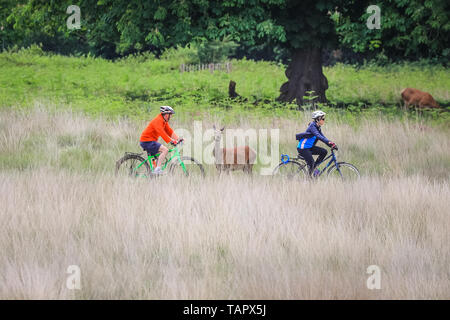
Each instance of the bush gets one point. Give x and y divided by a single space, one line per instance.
179 54
34 50
138 57
215 51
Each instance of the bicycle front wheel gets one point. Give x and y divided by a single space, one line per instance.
192 168
345 171
291 169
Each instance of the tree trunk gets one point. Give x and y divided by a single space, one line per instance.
305 74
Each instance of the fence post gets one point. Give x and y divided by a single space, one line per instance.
211 66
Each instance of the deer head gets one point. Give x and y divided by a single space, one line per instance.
218 133
217 137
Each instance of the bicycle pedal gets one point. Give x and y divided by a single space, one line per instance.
159 173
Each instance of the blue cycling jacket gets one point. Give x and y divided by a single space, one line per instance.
309 138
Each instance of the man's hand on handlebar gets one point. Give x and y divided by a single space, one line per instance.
175 142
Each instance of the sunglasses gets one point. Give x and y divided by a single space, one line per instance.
323 119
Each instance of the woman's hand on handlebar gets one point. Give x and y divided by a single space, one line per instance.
333 145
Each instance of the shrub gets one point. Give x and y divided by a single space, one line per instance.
214 51
179 54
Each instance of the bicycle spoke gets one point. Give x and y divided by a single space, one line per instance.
345 172
191 168
130 166
290 170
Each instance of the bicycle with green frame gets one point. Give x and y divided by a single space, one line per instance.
297 167
134 165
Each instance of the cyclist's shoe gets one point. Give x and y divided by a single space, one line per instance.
316 173
158 172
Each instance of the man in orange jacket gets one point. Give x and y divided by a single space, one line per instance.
159 127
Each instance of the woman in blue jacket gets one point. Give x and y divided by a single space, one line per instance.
307 142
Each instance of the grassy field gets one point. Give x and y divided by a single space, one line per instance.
227 237
64 121
136 86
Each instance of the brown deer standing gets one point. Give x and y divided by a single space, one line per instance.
418 98
237 158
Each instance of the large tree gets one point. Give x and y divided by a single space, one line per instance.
304 28
118 27
114 28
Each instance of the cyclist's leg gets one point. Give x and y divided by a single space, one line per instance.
152 148
163 150
321 152
306 154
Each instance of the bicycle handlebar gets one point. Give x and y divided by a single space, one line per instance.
179 144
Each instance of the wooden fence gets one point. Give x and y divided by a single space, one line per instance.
210 66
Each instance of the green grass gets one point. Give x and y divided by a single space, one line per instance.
136 86
383 85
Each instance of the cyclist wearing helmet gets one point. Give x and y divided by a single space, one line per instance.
307 142
159 127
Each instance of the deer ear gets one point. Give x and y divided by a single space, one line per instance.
222 129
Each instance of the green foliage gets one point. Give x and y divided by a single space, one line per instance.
215 51
137 85
187 55
409 29
261 28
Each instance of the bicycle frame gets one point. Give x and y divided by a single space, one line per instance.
176 154
332 160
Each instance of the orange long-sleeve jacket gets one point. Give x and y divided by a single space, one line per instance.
158 127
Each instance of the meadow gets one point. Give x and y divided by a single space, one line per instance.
64 121
136 86
229 237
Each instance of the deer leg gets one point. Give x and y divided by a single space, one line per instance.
219 169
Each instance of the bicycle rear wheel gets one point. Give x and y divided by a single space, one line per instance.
192 166
346 171
291 169
128 166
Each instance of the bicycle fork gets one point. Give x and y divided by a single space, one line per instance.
337 166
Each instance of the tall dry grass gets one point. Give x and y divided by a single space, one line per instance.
230 237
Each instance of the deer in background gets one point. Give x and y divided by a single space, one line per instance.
418 98
237 158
